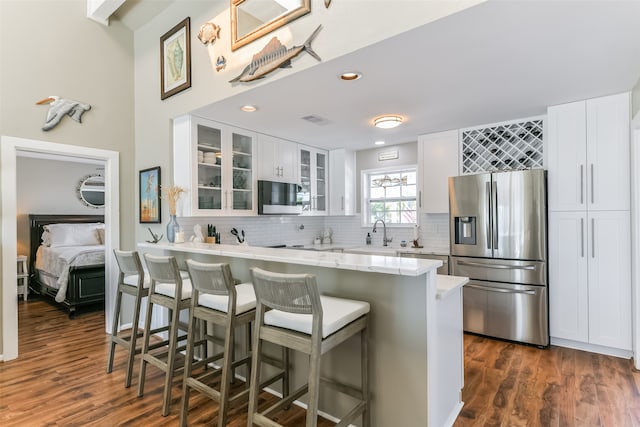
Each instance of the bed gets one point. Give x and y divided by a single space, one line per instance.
68 266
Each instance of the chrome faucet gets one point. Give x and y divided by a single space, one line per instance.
384 232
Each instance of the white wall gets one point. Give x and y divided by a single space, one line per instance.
49 47
368 159
49 187
347 26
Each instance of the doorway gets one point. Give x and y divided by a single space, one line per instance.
10 148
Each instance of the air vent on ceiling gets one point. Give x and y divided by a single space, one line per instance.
317 120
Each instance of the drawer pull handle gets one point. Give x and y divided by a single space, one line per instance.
497 266
501 290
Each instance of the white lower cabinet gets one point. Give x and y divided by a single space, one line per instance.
589 277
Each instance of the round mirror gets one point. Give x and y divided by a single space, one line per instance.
91 191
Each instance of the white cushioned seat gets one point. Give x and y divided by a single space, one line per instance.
169 289
245 299
133 279
336 313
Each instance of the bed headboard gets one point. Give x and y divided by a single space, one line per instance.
37 222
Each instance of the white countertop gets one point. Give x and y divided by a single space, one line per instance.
345 261
447 284
374 250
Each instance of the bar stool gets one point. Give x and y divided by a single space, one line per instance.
131 281
168 289
217 300
292 298
134 281
22 276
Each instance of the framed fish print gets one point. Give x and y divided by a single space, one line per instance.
150 206
175 59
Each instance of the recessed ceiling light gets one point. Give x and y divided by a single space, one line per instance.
350 75
379 143
248 108
387 122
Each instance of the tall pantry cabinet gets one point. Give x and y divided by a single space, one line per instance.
589 223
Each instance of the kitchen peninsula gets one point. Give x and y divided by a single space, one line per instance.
416 350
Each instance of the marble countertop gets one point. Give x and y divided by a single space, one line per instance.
447 284
326 258
375 250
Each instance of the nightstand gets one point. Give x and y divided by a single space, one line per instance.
23 276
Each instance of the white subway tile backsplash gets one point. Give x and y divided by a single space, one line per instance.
276 230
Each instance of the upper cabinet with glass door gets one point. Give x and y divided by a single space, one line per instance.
313 174
216 164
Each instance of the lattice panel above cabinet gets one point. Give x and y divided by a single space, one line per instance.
509 146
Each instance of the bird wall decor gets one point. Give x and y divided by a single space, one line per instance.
60 107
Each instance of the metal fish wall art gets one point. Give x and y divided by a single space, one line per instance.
273 56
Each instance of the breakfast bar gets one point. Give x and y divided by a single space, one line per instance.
416 348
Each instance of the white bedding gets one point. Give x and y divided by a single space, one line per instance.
56 261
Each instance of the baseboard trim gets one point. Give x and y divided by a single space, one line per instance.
451 419
592 348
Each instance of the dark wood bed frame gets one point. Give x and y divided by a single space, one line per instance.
86 284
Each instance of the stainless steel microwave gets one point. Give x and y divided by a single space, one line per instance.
278 198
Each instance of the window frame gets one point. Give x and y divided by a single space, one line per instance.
365 193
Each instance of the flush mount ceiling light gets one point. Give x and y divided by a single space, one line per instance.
387 122
379 143
248 108
350 75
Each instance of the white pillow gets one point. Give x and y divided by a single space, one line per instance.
73 234
46 237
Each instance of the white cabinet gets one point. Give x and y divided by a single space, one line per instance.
589 221
278 159
216 164
568 285
342 182
590 277
438 160
588 154
313 173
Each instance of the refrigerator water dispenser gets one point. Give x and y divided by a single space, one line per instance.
465 230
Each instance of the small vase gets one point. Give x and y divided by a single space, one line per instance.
172 227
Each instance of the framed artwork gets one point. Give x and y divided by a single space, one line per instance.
175 59
150 206
245 27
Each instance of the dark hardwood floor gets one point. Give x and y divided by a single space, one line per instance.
509 384
60 380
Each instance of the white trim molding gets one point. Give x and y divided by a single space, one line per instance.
10 147
101 10
635 237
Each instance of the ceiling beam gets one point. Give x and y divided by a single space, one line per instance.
101 10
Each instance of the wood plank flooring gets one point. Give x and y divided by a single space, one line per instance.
509 384
60 379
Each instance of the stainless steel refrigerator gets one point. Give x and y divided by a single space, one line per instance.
498 232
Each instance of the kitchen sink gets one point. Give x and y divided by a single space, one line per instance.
384 251
287 246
